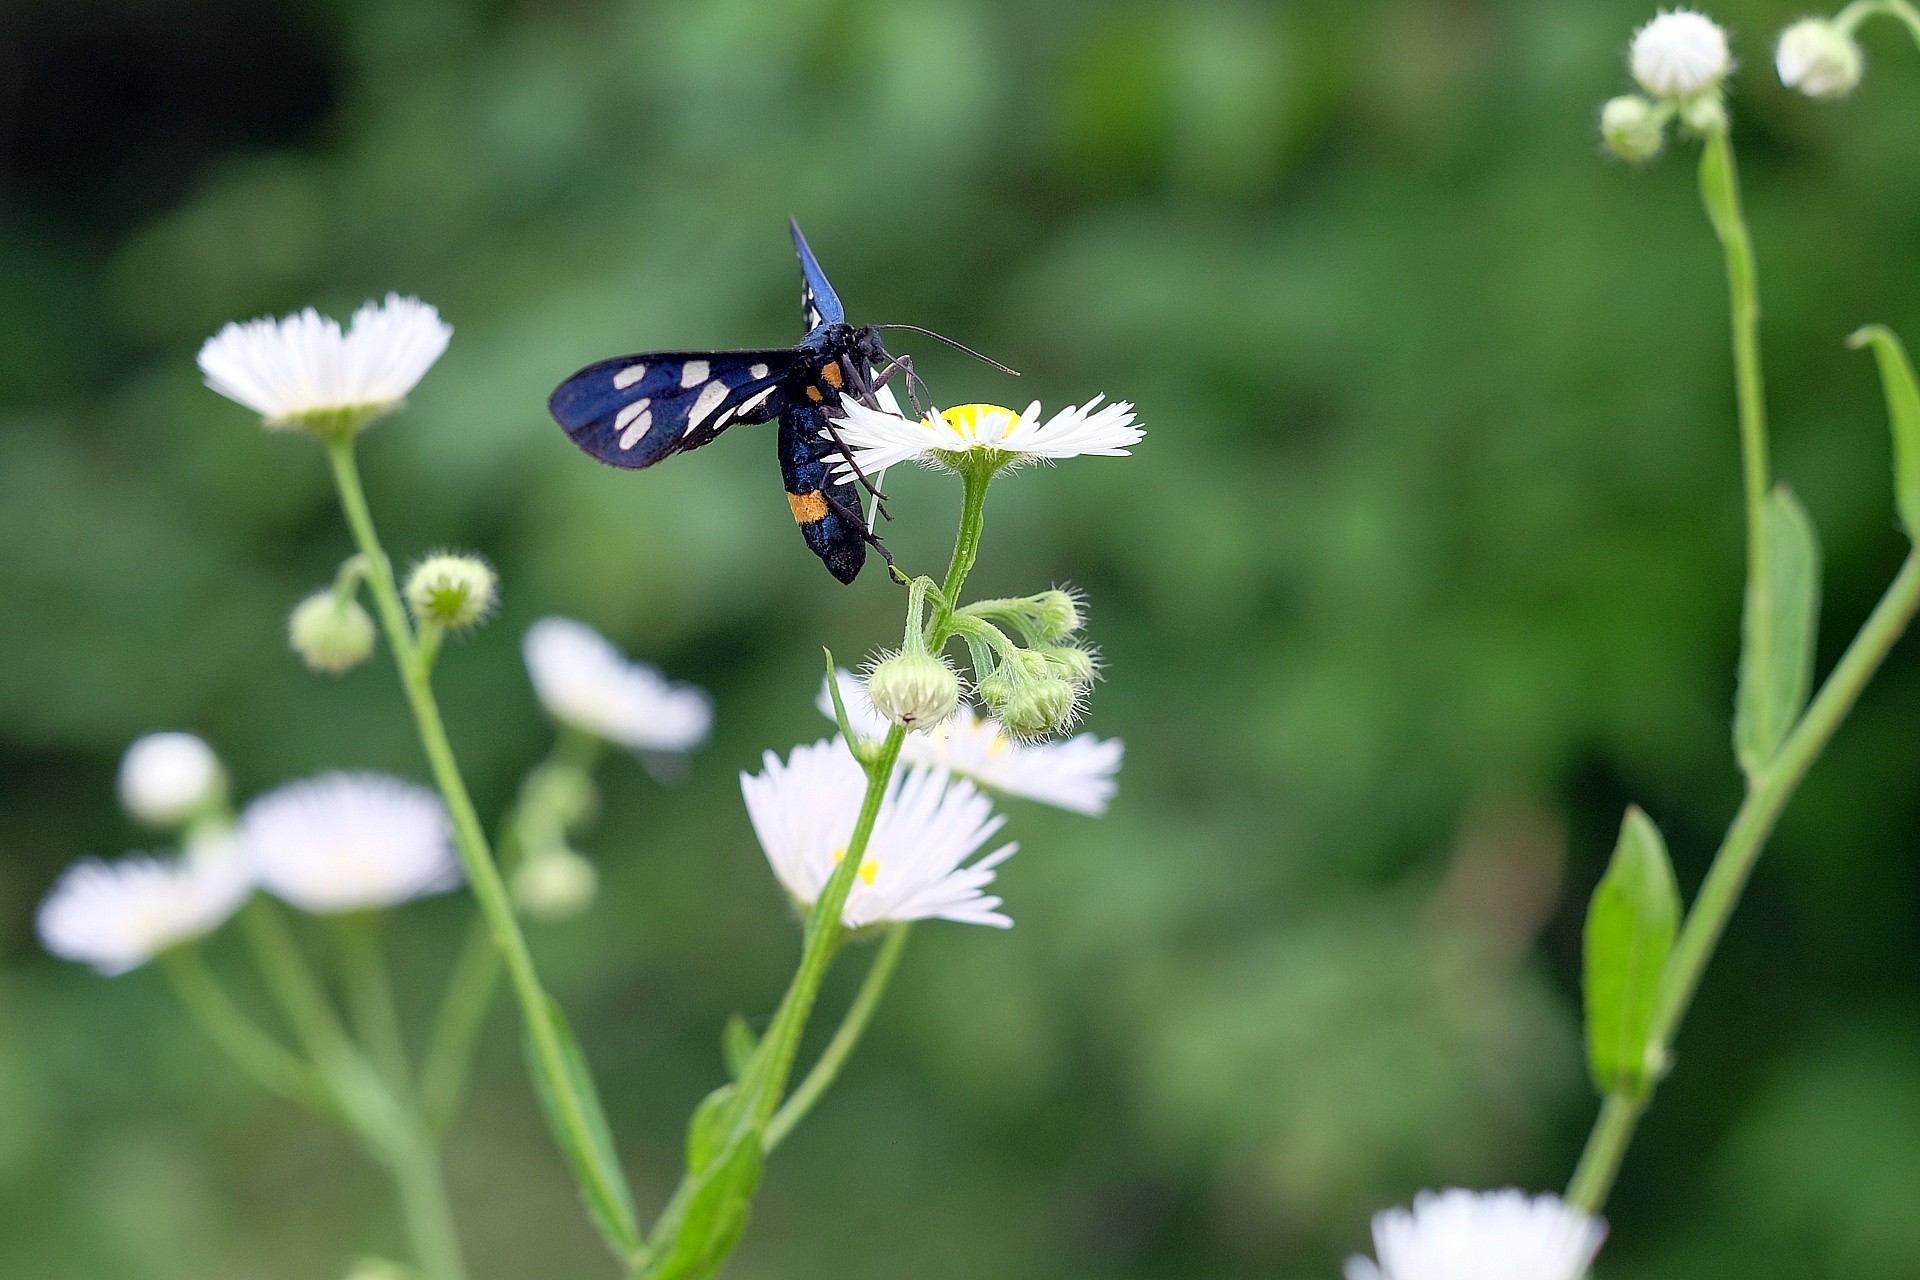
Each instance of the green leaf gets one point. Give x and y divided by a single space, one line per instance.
1776 653
1903 407
596 1166
714 1216
1630 929
708 1127
737 1044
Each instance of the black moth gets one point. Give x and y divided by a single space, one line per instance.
632 411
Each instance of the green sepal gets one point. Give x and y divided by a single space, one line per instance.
1630 929
1778 632
1903 409
596 1165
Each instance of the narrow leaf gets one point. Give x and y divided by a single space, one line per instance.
737 1044
707 1129
1903 407
715 1214
596 1166
1630 929
1782 612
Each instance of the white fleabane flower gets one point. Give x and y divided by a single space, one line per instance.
117 916
349 842
303 369
1819 59
804 808
166 778
1077 774
881 440
1481 1235
1680 54
583 681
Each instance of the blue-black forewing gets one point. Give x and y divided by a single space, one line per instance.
632 411
819 304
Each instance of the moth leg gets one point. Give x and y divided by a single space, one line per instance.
840 447
915 383
853 517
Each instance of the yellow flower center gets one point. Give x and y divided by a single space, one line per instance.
979 424
868 867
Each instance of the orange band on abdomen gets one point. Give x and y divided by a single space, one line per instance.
807 507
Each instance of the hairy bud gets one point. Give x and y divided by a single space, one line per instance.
916 690
452 592
332 633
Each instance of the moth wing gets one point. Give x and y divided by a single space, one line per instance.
819 304
632 411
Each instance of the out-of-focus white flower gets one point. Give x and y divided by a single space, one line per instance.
166 778
349 842
804 809
1077 774
1481 1235
303 367
1819 59
881 440
117 916
583 681
1680 54
1633 128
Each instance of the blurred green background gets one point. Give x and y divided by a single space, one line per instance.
1428 565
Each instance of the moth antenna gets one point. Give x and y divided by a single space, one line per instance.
959 346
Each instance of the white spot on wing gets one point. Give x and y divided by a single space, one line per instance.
754 400
693 373
638 429
628 376
757 372
710 397
632 411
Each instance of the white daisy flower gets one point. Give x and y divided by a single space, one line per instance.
350 842
1680 54
1076 774
804 809
583 681
1481 1235
166 778
881 440
304 367
117 916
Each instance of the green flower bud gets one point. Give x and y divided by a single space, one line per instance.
1056 614
1633 128
452 592
564 792
1705 114
916 690
557 884
1040 707
333 633
1069 662
1819 59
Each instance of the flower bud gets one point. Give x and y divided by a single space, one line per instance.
330 632
563 792
452 592
168 778
1039 707
1056 614
1069 662
1680 54
557 884
1705 114
1633 128
1818 58
916 690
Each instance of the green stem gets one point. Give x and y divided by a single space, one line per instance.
966 549
425 1208
255 1052
570 1109
463 1011
369 989
1720 892
851 1028
293 985
1851 16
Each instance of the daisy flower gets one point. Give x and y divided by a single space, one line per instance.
1481 1235
1680 54
880 440
1076 774
583 681
117 916
302 371
803 810
166 778
349 842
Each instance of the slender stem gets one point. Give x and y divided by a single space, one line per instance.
426 1210
966 549
463 1011
293 985
570 1108
859 1013
1851 16
369 990
1600 1162
255 1052
1720 892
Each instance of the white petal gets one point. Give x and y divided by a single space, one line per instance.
116 916
583 681
303 364
350 842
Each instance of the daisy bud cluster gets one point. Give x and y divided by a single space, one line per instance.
1039 689
452 592
1680 60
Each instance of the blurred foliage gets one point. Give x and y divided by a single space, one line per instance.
1429 563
